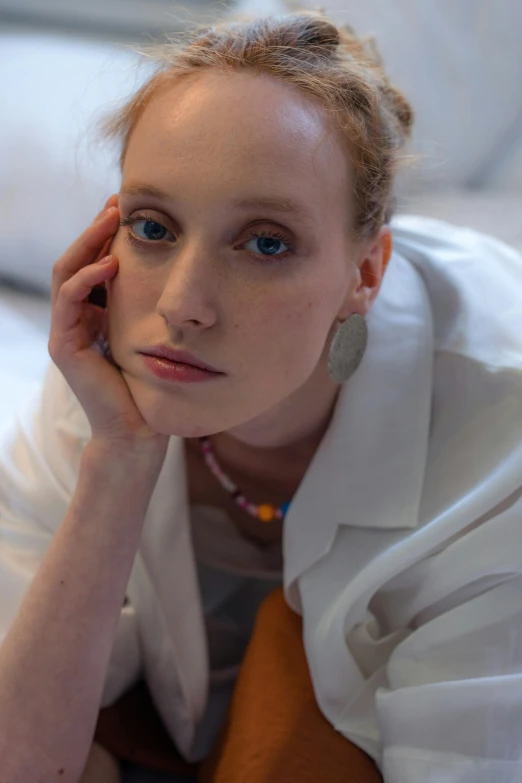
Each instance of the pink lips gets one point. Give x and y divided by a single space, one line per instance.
165 352
178 372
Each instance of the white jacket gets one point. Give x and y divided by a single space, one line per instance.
402 546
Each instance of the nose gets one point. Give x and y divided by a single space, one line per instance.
189 294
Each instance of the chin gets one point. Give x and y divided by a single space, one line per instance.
170 413
171 423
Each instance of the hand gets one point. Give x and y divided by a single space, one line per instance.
78 330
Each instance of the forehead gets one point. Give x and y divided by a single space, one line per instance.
246 131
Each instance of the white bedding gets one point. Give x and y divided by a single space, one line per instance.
25 319
24 332
498 213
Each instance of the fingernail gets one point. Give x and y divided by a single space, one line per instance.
100 214
105 260
105 211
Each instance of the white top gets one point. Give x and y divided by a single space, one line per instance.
234 576
402 545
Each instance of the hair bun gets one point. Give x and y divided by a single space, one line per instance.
319 32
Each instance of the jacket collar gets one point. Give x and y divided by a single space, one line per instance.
368 470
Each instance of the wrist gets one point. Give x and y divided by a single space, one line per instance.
121 454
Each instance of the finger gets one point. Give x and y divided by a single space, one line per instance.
91 241
105 251
98 295
87 240
73 293
85 249
112 201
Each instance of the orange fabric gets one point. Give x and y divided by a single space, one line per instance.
274 733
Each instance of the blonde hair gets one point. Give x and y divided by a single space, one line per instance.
331 64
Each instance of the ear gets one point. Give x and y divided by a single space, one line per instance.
372 263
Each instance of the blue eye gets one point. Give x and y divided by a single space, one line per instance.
269 244
152 230
155 232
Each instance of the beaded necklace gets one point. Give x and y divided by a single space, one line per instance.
265 512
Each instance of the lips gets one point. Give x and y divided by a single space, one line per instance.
183 357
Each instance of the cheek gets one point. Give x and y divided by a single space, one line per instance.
293 331
132 290
128 304
316 317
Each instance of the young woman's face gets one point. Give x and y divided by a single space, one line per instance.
193 275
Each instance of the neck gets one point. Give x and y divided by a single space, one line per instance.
279 446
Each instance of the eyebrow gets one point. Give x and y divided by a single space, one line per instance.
277 204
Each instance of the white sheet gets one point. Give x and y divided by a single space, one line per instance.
24 333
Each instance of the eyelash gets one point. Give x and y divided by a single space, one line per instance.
254 235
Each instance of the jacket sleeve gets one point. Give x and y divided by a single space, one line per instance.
452 708
423 670
448 699
40 453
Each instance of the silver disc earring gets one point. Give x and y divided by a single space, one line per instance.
347 348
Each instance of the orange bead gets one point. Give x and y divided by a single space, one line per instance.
266 513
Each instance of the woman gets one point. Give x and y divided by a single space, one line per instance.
354 441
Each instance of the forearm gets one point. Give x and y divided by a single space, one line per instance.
54 659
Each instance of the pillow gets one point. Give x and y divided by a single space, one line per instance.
490 212
54 177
